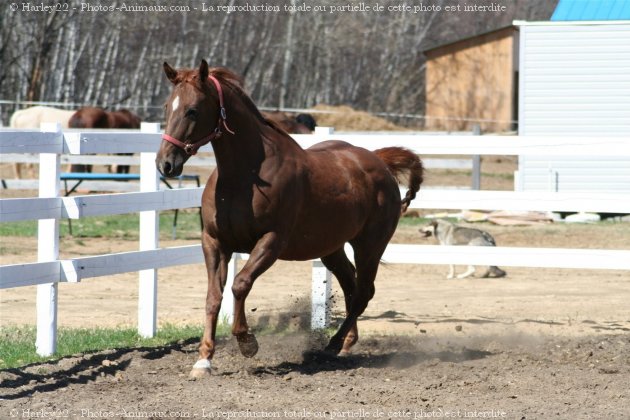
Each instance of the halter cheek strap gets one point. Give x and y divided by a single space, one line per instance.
192 148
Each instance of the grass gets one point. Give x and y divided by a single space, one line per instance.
419 221
126 226
507 176
17 343
123 226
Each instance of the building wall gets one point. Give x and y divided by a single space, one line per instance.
575 81
472 80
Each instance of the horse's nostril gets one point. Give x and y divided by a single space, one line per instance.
166 168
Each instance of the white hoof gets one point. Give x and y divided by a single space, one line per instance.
344 353
201 369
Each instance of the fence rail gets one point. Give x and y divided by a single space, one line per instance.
50 144
196 161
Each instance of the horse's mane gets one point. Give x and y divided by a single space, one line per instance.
234 81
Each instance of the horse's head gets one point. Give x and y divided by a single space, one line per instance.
307 121
194 116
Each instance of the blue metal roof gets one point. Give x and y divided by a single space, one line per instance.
570 10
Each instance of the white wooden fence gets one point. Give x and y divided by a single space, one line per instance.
49 208
470 164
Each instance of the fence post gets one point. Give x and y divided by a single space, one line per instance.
48 249
476 160
149 239
320 296
227 303
518 181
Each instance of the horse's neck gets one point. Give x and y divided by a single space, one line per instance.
239 157
240 154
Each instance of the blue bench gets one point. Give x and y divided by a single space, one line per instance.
79 177
89 176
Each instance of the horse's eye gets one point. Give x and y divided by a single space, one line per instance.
192 113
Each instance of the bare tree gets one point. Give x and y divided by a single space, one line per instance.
370 61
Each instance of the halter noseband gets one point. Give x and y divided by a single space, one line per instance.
191 148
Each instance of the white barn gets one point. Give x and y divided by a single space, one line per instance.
574 80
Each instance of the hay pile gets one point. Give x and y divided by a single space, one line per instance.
344 118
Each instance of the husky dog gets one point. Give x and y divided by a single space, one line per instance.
448 233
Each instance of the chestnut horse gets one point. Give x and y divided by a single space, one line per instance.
93 117
274 200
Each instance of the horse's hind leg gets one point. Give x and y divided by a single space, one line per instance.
367 261
339 264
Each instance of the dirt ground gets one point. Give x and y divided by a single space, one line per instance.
539 343
506 376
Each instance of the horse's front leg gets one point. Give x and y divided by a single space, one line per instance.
216 265
264 254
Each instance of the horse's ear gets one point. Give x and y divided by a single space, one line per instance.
171 73
203 70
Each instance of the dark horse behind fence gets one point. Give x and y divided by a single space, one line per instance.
274 200
93 117
298 124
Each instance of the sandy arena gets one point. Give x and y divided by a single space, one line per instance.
537 344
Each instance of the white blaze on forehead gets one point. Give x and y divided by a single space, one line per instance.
175 103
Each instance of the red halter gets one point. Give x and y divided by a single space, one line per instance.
191 148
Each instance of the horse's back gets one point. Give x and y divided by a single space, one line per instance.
341 156
123 119
21 119
89 117
59 115
359 175
34 116
349 190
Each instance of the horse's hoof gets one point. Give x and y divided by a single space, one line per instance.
333 348
199 373
248 345
201 369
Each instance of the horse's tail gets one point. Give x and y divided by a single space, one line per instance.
406 167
